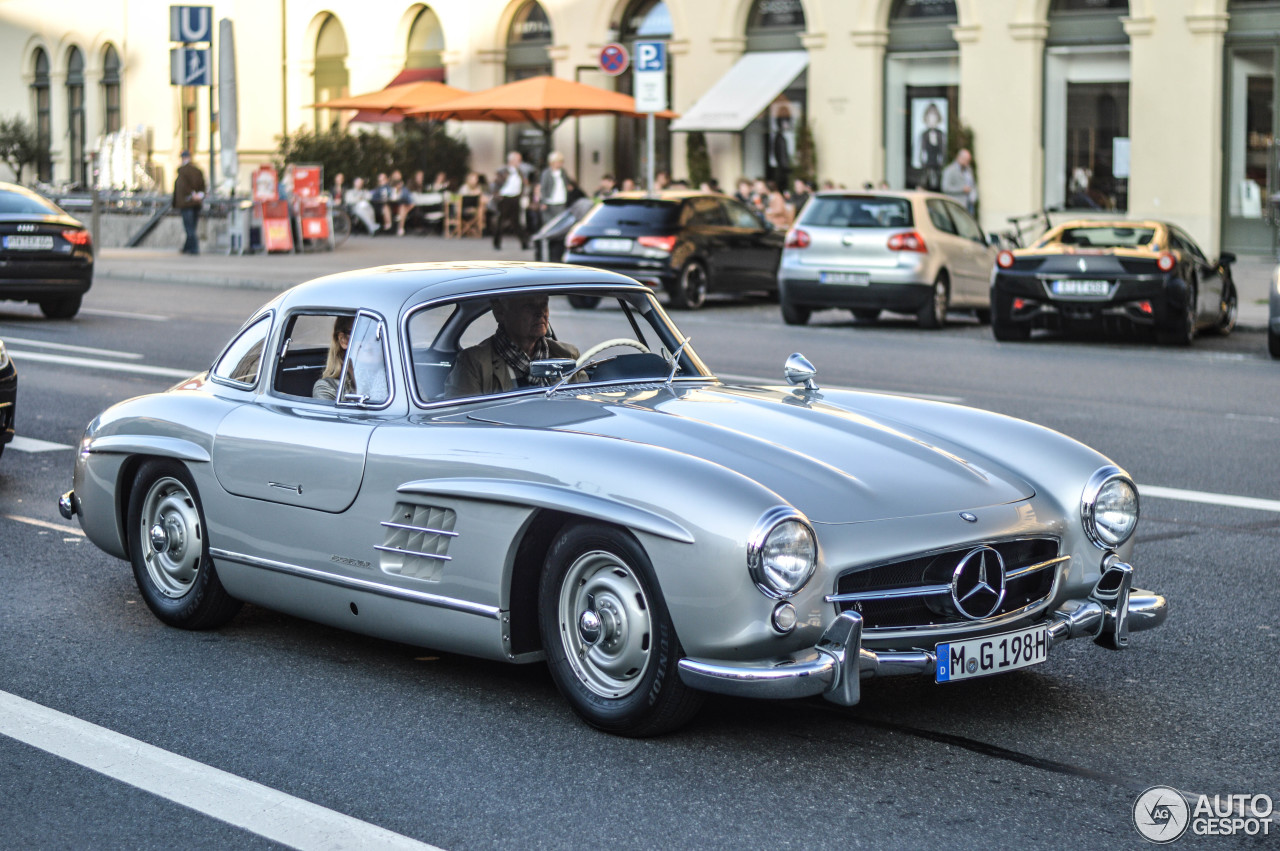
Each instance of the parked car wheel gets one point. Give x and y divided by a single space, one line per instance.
170 550
865 315
1184 331
584 302
794 314
934 312
61 308
609 640
691 289
1230 310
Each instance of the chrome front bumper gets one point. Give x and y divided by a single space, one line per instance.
836 666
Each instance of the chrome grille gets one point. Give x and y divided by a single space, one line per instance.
416 540
916 592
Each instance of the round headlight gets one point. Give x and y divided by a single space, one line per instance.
782 554
1109 508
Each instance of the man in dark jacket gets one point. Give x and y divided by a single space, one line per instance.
188 198
512 193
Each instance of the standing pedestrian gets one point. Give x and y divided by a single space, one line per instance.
188 199
514 184
958 182
555 187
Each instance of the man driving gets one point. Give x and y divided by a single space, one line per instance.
501 362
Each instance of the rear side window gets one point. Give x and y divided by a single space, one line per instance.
242 361
940 217
705 212
858 211
633 212
21 203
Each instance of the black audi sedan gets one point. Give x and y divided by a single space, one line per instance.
8 397
686 244
46 256
1113 275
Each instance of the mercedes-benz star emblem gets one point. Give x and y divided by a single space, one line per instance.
977 585
1081 265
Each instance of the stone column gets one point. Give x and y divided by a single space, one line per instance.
846 106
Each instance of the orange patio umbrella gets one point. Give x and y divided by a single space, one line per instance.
400 99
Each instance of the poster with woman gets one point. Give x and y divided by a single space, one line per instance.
929 139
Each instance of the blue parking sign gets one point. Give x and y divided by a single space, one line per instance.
651 56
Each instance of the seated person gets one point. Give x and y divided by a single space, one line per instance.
327 385
501 362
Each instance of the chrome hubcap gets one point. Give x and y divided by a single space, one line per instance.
605 624
171 536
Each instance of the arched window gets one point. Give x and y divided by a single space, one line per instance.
40 99
528 38
110 90
644 20
331 68
76 167
775 25
426 42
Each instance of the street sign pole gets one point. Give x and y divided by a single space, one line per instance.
650 175
650 85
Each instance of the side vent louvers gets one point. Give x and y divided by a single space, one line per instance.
416 540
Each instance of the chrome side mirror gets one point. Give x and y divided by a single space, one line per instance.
798 370
554 368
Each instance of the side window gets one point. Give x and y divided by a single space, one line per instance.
740 216
242 361
314 348
436 335
365 376
707 212
1187 244
965 224
938 215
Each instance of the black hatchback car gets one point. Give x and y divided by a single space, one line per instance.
684 243
46 256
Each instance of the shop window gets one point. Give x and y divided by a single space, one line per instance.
528 39
1097 169
922 93
331 80
644 20
426 42
44 122
76 167
110 90
775 25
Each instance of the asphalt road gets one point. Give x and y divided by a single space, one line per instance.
465 754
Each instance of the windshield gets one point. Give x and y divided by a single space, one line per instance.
22 203
486 346
857 211
1104 236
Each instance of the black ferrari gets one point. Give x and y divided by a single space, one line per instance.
1113 275
46 256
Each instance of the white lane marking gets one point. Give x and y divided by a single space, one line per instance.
239 802
110 366
30 444
111 353
1210 498
928 397
45 524
126 314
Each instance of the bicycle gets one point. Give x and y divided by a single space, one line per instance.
1028 225
341 225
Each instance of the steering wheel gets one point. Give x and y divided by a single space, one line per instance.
586 356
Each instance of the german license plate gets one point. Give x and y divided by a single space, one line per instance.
994 654
28 243
611 246
1082 289
856 279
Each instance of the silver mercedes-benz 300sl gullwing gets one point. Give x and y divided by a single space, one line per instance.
447 455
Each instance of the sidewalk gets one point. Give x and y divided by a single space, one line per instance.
281 271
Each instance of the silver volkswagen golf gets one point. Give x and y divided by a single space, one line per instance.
910 252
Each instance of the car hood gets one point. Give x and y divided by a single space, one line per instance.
835 464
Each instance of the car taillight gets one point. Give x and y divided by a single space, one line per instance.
1166 262
908 241
797 239
1005 259
662 243
574 240
76 237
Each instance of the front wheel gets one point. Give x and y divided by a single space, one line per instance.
610 644
169 548
933 314
61 308
1230 309
794 314
691 290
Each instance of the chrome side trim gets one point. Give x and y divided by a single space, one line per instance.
894 594
435 600
129 444
398 551
422 529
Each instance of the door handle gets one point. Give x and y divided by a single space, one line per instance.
295 488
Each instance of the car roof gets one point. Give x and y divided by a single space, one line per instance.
665 195
388 289
879 193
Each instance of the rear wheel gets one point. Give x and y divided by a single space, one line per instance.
584 302
610 644
169 548
61 308
1273 343
1183 330
794 314
865 314
1230 308
691 289
934 312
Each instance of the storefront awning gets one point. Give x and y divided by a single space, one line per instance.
744 92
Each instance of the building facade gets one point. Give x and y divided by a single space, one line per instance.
1159 108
